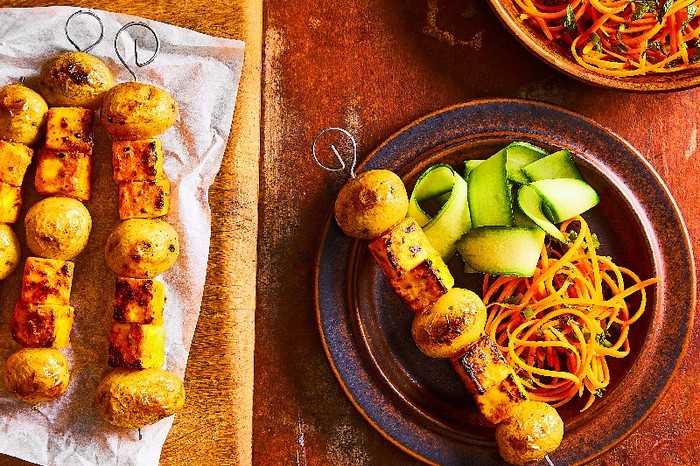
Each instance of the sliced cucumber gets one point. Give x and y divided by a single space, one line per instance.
502 250
434 182
470 165
531 204
453 219
519 155
555 165
489 192
565 198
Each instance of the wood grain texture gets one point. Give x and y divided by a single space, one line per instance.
215 426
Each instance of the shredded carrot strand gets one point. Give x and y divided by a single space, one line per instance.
557 327
621 38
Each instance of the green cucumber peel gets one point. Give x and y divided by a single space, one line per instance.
530 204
565 198
556 165
453 219
489 192
501 250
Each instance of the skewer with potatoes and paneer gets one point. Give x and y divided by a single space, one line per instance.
449 321
140 248
57 228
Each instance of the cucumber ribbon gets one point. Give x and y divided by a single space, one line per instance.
444 185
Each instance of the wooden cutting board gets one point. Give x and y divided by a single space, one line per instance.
215 425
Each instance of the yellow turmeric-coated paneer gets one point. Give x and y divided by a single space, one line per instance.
144 199
60 173
487 375
42 325
69 129
139 301
14 160
423 285
140 160
137 346
47 281
10 202
401 248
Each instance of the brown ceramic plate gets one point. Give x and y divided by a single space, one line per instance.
560 58
419 403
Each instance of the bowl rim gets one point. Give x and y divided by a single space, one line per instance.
650 83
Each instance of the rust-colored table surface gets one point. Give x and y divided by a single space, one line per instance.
374 66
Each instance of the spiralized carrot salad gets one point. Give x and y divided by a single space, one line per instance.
621 37
558 328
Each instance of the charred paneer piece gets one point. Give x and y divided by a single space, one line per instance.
487 375
139 301
14 160
137 346
144 199
415 270
47 281
69 129
140 160
10 202
64 173
42 325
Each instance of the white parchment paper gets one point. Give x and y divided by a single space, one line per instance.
202 73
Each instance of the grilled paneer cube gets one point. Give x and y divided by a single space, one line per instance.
137 160
47 281
137 346
423 285
42 325
415 270
487 375
60 173
10 202
69 129
401 248
144 199
139 301
14 160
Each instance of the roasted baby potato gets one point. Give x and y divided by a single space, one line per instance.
10 250
135 398
22 114
534 430
75 79
135 110
447 327
35 375
57 228
142 248
370 204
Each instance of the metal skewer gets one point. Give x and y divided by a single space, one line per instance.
137 62
335 151
86 13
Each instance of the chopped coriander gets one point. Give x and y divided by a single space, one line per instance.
569 20
528 312
595 38
515 299
665 8
641 7
599 393
691 11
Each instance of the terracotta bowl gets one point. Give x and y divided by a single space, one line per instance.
561 59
